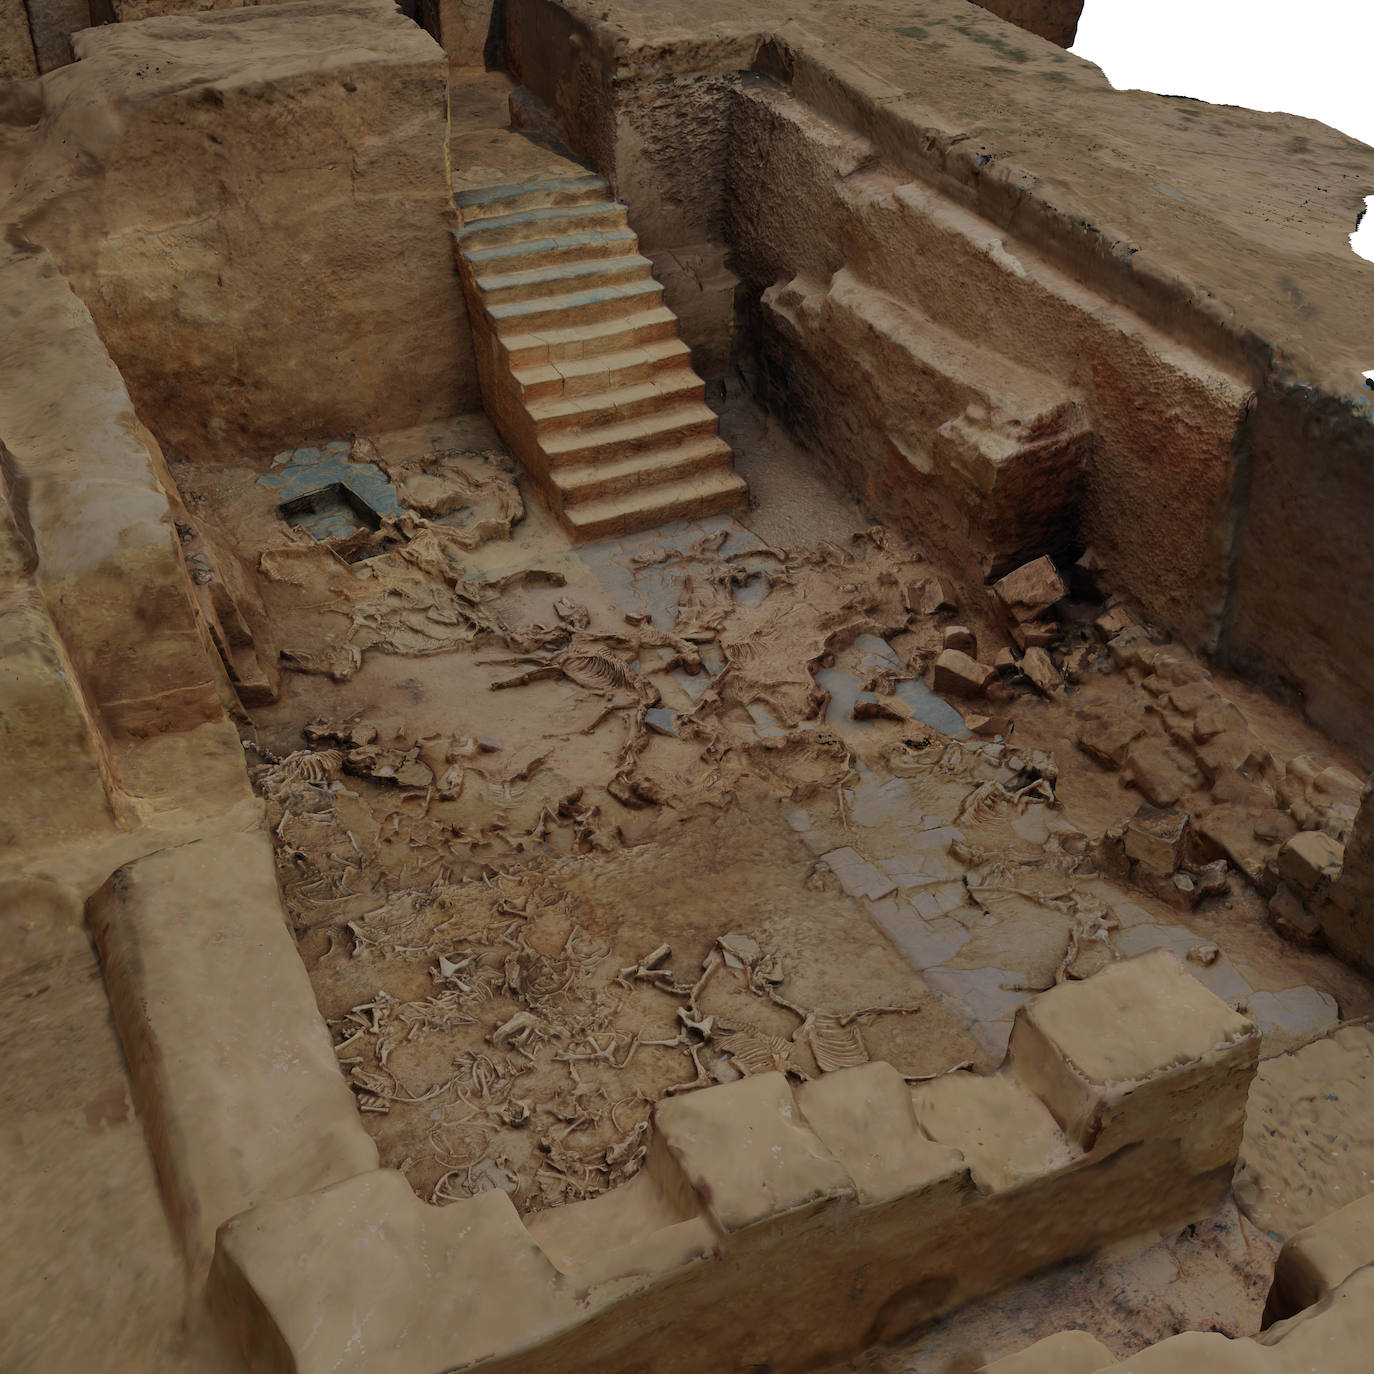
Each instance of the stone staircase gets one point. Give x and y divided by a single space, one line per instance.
581 367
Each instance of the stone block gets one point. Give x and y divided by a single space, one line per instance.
1108 734
1039 667
962 638
1310 859
959 675
748 1153
1160 771
1155 838
1030 591
865 1117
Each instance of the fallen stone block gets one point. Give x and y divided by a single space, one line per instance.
1039 667
1290 917
959 675
1161 772
1155 838
928 597
1028 593
1114 621
1035 634
1310 859
1108 736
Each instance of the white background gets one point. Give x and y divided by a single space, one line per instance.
1307 57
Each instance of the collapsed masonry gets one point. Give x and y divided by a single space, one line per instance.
239 509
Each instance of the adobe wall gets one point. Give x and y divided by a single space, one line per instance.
946 322
849 1210
1212 333
254 208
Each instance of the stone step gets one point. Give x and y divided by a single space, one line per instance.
600 337
596 409
602 372
605 443
483 202
544 252
550 222
542 313
561 278
597 481
642 508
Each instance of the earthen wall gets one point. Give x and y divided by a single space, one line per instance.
260 231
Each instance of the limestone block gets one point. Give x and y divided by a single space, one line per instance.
1348 918
1155 839
1310 859
1039 667
959 675
235 1076
865 1117
267 252
1028 592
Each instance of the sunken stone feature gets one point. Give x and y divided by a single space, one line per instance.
684 690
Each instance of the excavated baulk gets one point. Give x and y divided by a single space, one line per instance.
851 1210
580 363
